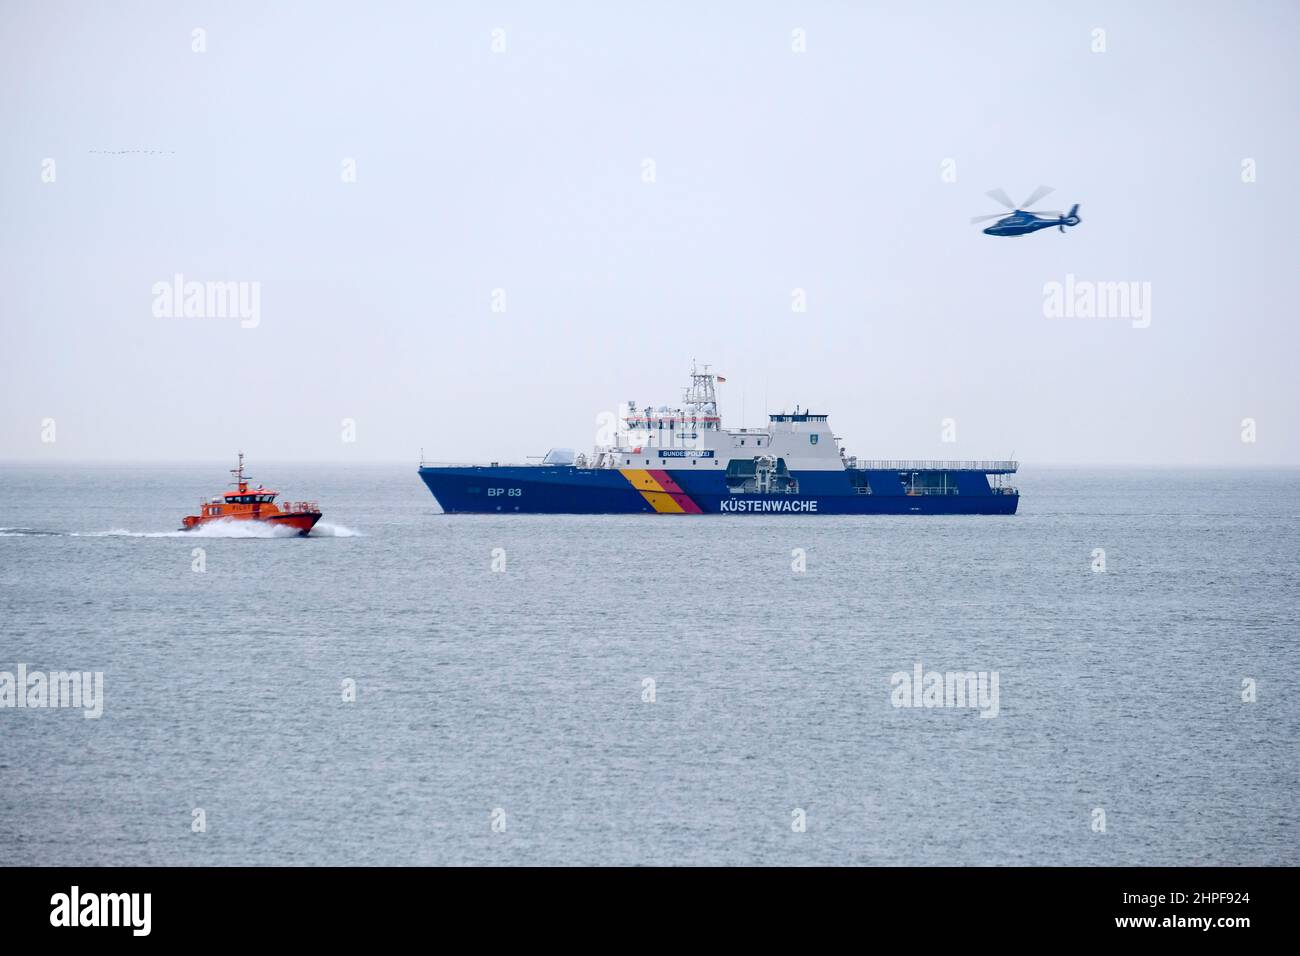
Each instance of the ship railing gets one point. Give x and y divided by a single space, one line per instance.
426 463
993 489
291 506
907 464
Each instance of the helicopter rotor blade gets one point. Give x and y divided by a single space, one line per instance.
999 195
1046 213
996 215
1036 195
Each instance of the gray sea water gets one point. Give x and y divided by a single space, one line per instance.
519 696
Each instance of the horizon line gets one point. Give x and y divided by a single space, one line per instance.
416 461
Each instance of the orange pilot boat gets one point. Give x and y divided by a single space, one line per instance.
247 503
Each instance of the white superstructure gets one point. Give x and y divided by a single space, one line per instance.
691 435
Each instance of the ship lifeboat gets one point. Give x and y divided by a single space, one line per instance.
246 503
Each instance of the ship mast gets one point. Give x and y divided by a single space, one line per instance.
701 399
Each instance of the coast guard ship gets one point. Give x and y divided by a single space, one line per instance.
681 461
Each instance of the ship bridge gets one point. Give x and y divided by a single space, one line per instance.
797 417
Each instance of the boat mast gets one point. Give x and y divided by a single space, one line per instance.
240 481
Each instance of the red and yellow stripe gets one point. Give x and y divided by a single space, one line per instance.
663 494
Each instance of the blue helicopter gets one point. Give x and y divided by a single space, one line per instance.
1020 222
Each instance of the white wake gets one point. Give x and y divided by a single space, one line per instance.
221 528
326 529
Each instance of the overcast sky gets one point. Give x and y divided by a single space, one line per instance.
525 171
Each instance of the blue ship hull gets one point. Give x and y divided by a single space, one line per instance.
567 489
